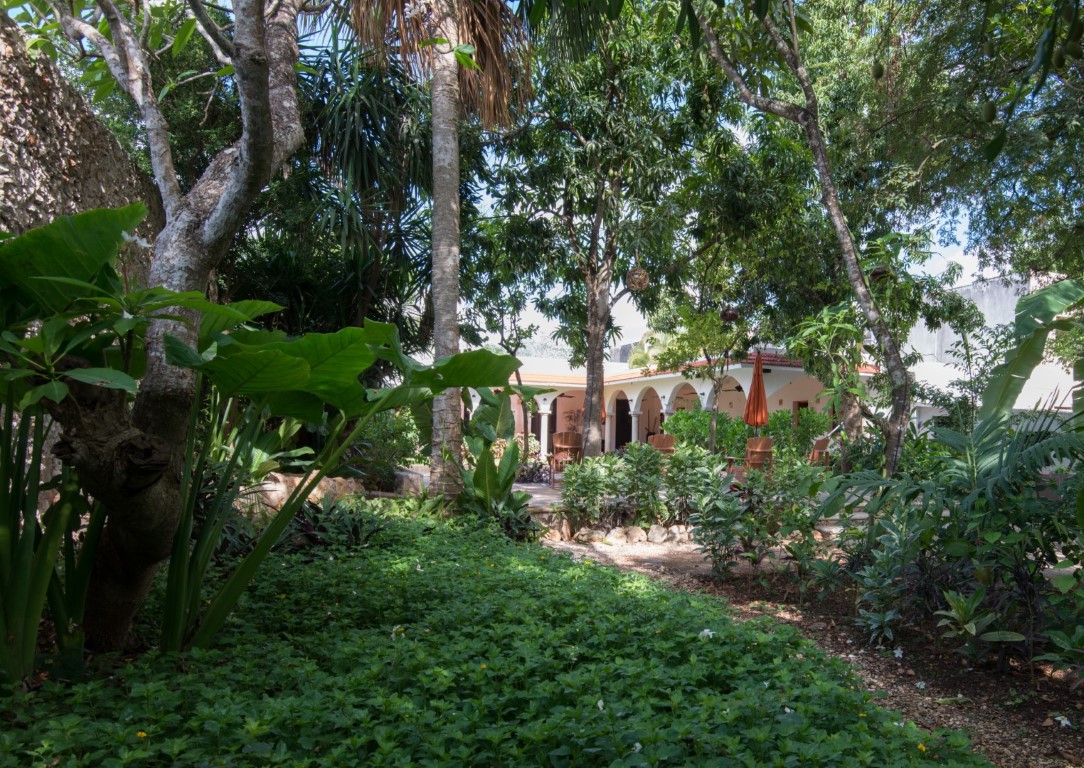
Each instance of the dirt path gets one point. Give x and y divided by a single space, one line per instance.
1014 717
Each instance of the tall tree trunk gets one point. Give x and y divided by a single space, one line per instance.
807 116
598 318
895 426
131 461
447 409
852 426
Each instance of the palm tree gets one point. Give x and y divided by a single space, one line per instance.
472 53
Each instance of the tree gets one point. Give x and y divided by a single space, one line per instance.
436 40
200 224
754 46
590 176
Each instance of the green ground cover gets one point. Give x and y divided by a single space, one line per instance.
438 645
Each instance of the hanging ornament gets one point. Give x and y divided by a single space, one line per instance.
637 279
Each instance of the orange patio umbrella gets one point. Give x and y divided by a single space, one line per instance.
756 407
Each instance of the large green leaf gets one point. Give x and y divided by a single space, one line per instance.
256 372
1036 316
103 377
82 248
335 361
477 368
221 317
486 482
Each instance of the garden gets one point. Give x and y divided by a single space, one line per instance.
256 260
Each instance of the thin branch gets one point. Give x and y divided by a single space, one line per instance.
772 106
145 31
794 63
220 44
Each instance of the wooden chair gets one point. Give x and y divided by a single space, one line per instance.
819 456
661 443
567 449
758 455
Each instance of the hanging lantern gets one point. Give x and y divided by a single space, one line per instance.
637 279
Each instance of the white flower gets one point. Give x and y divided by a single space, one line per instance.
601 705
1063 721
707 634
397 631
766 683
920 685
899 653
787 710
637 747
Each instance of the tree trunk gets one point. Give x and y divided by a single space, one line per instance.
807 116
852 426
895 427
598 318
131 461
444 478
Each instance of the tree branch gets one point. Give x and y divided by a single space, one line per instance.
126 62
212 33
253 154
772 106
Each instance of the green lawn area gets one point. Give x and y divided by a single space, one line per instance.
443 646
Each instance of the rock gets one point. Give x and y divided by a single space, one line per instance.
616 536
552 534
634 534
566 530
588 535
679 534
410 483
658 534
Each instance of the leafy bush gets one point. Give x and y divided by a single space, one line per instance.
690 428
979 523
587 491
438 646
389 441
767 511
638 483
487 482
690 472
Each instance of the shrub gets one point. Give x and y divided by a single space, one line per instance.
638 483
690 472
689 428
979 523
389 441
766 512
587 491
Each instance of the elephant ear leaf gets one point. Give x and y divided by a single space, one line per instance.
81 248
1036 317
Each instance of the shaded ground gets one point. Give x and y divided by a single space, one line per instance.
1012 716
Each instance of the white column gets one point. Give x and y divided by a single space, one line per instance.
635 426
611 429
544 403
